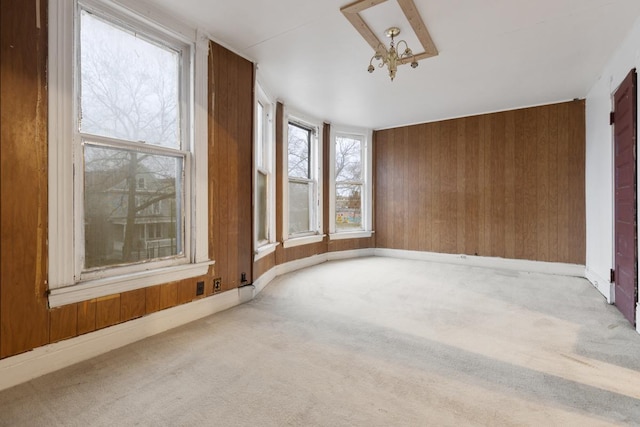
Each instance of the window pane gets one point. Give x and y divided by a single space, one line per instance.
299 146
126 223
300 196
260 143
129 86
261 207
348 207
348 159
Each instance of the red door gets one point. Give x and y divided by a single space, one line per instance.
626 248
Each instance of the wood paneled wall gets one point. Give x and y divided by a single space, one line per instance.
508 184
23 304
26 322
87 316
230 165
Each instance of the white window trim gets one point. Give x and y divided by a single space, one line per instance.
306 240
265 100
265 250
361 234
64 288
367 196
315 235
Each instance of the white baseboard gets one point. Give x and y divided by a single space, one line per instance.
557 268
49 358
291 266
355 253
298 264
601 284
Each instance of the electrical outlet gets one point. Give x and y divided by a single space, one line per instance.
217 285
200 288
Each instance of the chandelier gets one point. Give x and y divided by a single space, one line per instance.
390 57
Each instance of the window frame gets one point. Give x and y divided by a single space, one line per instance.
266 151
315 234
67 281
366 137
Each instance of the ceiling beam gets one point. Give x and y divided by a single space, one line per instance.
418 25
364 30
359 6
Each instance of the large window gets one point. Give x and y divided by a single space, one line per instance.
264 201
132 134
302 180
128 132
351 193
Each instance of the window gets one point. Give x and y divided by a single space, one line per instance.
302 186
349 182
264 201
128 134
351 194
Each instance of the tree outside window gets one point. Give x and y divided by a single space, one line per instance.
302 183
130 128
349 182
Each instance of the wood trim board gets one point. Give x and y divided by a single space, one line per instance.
352 13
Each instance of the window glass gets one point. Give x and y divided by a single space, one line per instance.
117 210
261 207
348 158
349 183
299 150
348 207
261 152
129 85
300 198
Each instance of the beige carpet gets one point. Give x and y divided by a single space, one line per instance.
366 342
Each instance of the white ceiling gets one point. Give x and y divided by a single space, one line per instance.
494 54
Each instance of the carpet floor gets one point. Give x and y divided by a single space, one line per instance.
366 342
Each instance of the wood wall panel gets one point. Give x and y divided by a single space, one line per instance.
152 299
187 290
230 164
168 295
577 161
264 264
86 316
107 311
326 182
505 185
132 304
279 148
24 318
351 244
63 322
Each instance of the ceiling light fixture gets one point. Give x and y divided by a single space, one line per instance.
390 57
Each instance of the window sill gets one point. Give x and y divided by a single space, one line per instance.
264 250
350 235
90 289
299 241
